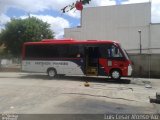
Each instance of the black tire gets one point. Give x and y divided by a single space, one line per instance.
52 73
115 74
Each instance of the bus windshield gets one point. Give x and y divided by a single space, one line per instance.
125 52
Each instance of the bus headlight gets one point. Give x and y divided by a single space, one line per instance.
129 70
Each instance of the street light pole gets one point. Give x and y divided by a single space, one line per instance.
140 45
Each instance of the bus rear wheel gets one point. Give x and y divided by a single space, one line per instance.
115 74
51 72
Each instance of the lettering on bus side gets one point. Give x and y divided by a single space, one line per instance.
42 63
27 63
60 63
53 63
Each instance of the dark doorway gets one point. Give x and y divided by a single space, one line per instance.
92 56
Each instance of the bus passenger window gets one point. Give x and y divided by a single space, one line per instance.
78 55
75 51
103 51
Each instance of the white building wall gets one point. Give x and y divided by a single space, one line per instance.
155 38
119 23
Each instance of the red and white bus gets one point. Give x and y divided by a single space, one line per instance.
74 57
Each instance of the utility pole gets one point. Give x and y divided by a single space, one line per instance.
140 44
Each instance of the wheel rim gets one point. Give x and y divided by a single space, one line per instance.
115 74
51 73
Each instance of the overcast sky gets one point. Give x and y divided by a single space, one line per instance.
50 11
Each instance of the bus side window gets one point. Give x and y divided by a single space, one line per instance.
81 50
103 51
109 53
75 51
114 52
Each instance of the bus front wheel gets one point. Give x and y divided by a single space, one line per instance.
51 72
115 74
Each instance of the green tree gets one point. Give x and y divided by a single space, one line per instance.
18 31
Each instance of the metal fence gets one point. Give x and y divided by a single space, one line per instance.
10 64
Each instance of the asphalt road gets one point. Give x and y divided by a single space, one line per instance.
25 93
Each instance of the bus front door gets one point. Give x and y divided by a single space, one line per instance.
91 56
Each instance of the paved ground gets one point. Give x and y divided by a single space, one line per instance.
35 93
